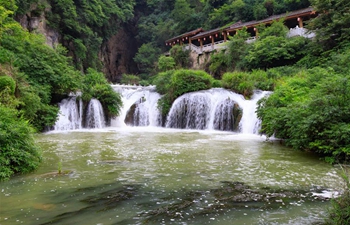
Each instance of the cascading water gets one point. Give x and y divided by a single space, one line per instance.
250 123
215 109
139 106
70 114
94 115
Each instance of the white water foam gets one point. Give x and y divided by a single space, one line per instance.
70 115
145 100
94 116
210 108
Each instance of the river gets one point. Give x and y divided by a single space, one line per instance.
153 175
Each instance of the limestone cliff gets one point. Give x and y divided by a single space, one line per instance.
117 54
37 23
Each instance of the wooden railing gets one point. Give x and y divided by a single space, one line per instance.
206 48
222 44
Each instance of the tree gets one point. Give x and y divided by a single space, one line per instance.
166 63
96 86
310 111
18 154
227 13
146 57
180 56
273 48
332 26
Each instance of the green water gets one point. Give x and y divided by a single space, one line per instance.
162 176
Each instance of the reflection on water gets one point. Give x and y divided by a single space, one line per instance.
165 176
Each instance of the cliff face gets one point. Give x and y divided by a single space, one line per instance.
37 23
117 54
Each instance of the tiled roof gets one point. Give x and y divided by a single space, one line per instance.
199 33
213 31
286 15
188 34
207 33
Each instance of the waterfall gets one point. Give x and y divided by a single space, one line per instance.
250 123
70 115
94 115
139 106
216 108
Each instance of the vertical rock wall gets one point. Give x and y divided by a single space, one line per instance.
117 54
38 24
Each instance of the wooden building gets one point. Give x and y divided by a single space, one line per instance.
201 39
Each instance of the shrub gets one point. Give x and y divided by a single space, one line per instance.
217 84
184 81
130 79
340 212
18 154
7 82
162 81
218 64
174 83
146 57
180 56
311 112
144 83
166 63
239 82
96 86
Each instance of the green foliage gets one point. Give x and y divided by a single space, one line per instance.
166 63
262 80
277 29
7 82
275 51
239 82
146 57
84 25
273 48
227 13
96 86
332 26
180 56
310 112
9 5
182 13
233 57
340 211
259 12
144 83
218 64
184 81
237 49
174 83
39 72
245 83
18 154
130 79
163 81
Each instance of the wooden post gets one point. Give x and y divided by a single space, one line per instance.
225 36
300 20
256 32
190 43
201 42
212 42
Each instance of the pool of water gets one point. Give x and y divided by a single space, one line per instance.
168 176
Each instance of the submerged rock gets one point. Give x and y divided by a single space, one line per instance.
229 196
